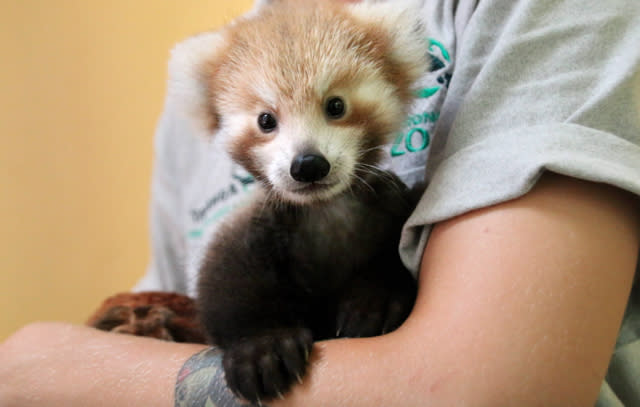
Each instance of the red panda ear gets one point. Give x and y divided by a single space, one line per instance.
400 23
191 67
258 4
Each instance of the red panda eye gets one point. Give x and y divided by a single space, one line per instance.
267 122
335 108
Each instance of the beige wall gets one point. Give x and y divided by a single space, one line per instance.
81 87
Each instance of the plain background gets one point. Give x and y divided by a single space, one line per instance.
82 84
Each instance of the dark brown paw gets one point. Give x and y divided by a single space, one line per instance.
265 367
374 308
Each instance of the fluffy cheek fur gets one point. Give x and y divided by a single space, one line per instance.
242 137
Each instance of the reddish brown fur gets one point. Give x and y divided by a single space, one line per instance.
289 59
240 150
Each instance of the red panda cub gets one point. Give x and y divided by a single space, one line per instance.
304 95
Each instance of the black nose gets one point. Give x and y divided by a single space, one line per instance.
309 168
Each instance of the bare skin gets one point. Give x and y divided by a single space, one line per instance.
510 298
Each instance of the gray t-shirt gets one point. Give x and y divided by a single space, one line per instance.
516 88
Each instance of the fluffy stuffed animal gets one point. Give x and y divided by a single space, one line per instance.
161 315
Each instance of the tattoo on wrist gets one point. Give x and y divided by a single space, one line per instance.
201 382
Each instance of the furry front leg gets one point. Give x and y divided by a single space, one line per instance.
253 312
266 345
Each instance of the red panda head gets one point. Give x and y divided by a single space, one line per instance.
303 93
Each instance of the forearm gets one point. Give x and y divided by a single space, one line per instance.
382 371
519 305
509 300
78 366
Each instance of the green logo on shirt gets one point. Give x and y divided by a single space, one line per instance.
416 138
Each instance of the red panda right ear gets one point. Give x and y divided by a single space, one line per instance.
258 4
191 67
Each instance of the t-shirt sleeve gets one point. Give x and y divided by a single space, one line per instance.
537 86
166 270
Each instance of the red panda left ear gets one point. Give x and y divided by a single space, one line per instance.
400 23
191 68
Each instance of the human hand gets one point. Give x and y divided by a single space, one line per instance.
375 304
58 364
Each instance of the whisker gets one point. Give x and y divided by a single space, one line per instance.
368 150
265 202
385 176
363 182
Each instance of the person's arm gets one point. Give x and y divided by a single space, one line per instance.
519 304
63 365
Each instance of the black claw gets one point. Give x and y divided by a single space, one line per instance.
241 377
273 383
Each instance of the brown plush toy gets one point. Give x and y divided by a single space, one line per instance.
161 315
